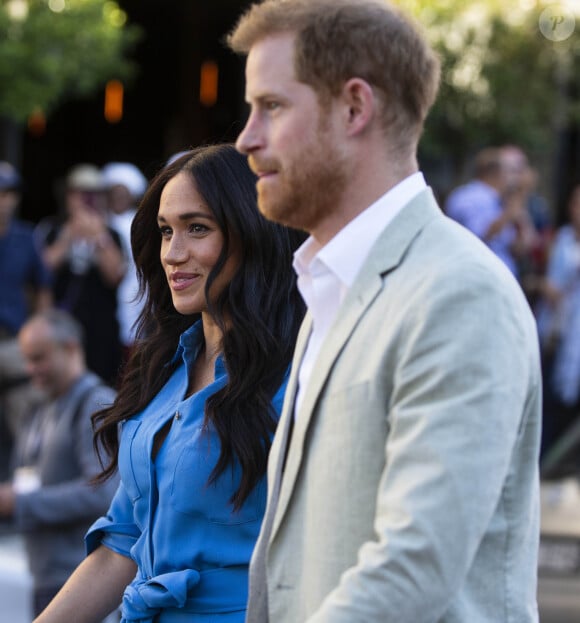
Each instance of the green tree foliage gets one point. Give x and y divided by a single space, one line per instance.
502 79
51 50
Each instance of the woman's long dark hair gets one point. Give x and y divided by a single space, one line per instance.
259 312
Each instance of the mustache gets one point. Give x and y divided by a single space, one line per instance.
262 166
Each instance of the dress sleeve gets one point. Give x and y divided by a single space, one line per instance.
117 529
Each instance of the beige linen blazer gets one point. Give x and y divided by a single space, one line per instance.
406 490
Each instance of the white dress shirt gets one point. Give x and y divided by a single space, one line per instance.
325 273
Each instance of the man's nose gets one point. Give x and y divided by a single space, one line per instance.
249 138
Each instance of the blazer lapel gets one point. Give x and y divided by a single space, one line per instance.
281 443
385 256
284 429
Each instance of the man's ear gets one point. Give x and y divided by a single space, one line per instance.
70 347
360 104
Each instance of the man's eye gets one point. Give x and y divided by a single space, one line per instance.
272 105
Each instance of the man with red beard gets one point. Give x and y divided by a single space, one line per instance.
403 479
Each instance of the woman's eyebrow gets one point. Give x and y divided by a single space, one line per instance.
185 216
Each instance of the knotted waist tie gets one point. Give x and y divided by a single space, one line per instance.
213 591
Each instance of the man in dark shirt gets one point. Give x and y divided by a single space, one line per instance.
86 258
24 287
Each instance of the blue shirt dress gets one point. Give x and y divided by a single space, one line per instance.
192 550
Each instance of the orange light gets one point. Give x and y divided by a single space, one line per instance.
208 83
37 123
114 101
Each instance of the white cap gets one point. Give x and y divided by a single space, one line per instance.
125 174
85 177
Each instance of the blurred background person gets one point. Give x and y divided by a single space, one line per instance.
24 288
558 316
86 257
535 223
521 174
125 185
493 207
50 498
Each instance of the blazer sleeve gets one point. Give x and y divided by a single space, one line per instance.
463 372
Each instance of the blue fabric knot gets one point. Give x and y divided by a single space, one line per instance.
144 599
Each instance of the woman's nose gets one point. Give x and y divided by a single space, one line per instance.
174 251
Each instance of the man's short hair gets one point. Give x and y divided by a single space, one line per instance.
65 328
337 40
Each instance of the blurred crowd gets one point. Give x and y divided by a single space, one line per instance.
78 261
68 304
502 206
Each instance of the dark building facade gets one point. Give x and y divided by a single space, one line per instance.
162 112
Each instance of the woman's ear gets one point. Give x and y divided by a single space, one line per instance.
360 105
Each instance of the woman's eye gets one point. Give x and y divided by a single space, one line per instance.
165 231
197 228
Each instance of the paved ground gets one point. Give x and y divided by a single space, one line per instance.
14 582
559 579
559 574
559 599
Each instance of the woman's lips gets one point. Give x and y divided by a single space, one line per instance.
181 281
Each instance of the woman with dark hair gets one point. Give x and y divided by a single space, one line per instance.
198 402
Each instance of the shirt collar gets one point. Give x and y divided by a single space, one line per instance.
190 342
345 254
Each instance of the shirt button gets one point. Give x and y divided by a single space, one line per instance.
177 415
